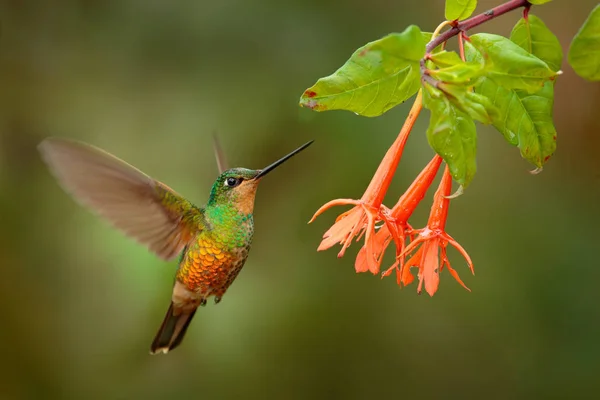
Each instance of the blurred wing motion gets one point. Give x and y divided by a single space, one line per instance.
133 202
219 155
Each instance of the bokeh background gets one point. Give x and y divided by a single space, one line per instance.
150 81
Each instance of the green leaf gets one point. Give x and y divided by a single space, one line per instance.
452 69
458 73
459 9
377 77
533 35
476 106
452 135
445 58
455 81
584 54
525 120
510 65
538 2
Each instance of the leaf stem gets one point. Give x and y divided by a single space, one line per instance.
461 46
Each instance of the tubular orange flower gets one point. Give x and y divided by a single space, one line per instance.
396 225
367 211
431 257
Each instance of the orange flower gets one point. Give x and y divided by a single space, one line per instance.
367 211
431 257
396 225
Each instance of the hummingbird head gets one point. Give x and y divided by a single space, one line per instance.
238 185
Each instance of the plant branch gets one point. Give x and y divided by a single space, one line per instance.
463 26
475 21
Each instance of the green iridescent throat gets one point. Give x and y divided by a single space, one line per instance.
226 221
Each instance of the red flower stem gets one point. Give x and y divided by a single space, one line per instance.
408 202
441 203
383 176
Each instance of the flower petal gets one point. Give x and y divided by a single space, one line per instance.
455 276
332 203
461 250
343 230
415 261
450 269
373 253
389 271
430 264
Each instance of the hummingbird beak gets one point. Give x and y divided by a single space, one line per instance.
277 163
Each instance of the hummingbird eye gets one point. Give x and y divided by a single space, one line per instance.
233 182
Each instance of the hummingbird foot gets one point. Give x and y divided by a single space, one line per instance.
217 299
203 302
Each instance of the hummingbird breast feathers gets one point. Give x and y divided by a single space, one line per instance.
214 259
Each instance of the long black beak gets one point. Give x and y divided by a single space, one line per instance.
277 163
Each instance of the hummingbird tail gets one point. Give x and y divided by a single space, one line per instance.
171 332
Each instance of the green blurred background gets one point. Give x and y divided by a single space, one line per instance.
150 81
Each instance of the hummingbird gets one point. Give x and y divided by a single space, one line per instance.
212 241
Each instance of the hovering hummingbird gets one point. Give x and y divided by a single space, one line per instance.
213 240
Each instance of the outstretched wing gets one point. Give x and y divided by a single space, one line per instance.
133 202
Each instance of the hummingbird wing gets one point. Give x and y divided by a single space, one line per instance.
141 207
